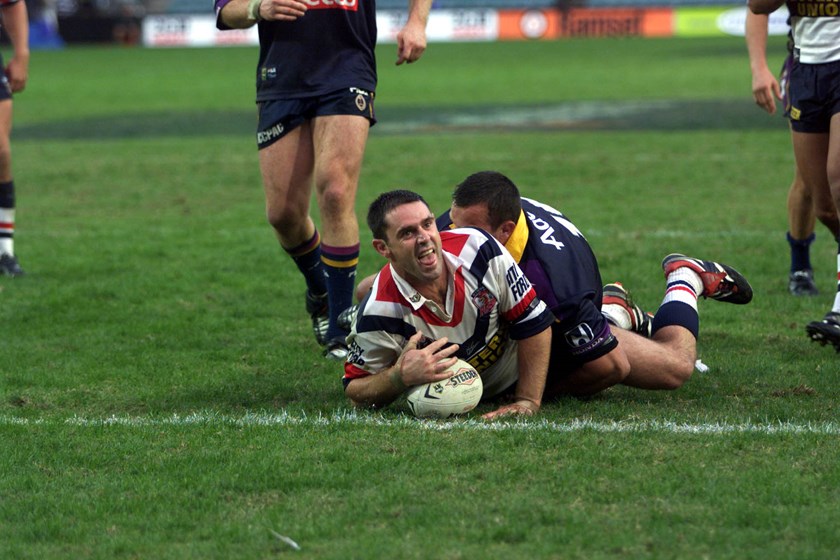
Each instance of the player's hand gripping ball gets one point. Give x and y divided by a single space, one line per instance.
457 395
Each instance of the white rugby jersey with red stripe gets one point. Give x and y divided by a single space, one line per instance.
489 305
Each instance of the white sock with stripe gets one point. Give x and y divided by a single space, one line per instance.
683 285
7 231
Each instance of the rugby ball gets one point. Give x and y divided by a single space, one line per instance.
442 399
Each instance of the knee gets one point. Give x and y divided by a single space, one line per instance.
285 219
611 369
620 369
5 157
336 194
677 377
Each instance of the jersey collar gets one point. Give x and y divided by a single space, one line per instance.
519 238
412 296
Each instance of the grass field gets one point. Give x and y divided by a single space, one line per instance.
161 395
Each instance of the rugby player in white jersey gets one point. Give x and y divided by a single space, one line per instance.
441 296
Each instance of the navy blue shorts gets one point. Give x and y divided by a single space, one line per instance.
814 96
279 117
589 340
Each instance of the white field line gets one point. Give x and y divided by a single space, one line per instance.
353 418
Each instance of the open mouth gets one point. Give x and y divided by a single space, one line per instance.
427 257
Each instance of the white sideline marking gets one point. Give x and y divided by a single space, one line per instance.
378 420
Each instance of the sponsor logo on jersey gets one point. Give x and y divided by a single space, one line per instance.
490 353
519 285
350 5
268 73
815 9
483 300
354 355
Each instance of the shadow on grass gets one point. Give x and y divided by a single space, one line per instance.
580 115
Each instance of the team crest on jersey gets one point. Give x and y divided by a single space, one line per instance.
483 300
350 5
579 336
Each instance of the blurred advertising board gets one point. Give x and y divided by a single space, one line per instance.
493 25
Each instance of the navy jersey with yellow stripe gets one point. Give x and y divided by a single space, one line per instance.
560 264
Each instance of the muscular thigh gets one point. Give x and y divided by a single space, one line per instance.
833 168
5 147
286 166
811 152
339 143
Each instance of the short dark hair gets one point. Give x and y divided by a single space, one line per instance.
385 203
493 189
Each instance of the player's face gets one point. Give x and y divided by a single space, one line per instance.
476 215
413 243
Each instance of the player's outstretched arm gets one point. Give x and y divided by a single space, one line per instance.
532 356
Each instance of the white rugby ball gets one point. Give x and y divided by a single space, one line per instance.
442 399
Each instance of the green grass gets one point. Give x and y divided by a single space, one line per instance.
161 395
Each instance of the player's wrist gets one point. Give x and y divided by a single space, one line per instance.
254 10
531 405
396 377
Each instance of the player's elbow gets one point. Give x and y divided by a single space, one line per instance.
359 397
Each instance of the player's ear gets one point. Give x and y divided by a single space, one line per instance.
381 247
506 230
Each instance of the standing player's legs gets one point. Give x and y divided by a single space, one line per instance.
811 151
339 147
801 219
287 169
806 205
825 149
8 261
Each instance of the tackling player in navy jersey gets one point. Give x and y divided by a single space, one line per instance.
316 82
586 355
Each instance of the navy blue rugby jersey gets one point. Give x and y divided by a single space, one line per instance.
329 48
555 257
